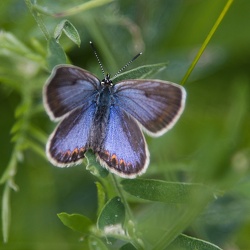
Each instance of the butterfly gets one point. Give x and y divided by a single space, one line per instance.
108 118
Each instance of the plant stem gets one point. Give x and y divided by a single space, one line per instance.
82 7
38 19
120 193
207 40
6 212
135 240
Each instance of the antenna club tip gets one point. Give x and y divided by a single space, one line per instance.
140 53
90 42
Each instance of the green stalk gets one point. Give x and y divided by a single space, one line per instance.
82 7
38 19
207 40
136 242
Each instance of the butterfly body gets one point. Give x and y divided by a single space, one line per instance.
104 101
108 118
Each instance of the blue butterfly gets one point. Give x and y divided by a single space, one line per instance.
108 118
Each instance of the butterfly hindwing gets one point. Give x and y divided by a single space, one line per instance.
155 104
68 88
124 150
68 143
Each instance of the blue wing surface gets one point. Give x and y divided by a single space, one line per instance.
124 150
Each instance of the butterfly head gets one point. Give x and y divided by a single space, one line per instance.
106 82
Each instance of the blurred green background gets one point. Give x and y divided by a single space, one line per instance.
209 145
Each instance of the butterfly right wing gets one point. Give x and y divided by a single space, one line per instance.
67 88
124 150
68 143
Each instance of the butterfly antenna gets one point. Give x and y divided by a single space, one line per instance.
126 65
93 48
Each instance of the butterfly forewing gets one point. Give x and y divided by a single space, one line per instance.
68 88
124 150
155 104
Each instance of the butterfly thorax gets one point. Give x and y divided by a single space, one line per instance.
105 96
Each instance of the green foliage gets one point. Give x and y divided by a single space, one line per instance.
195 194
184 242
56 54
112 214
156 190
70 31
94 167
76 222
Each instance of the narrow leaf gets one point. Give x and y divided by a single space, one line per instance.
58 30
16 127
9 172
184 242
168 192
6 212
76 222
112 214
21 109
140 72
100 196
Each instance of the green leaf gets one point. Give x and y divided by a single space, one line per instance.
69 30
56 54
100 196
128 246
140 72
96 243
16 127
112 215
95 167
21 109
76 222
167 192
184 242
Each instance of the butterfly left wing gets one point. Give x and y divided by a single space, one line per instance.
124 150
155 104
67 88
